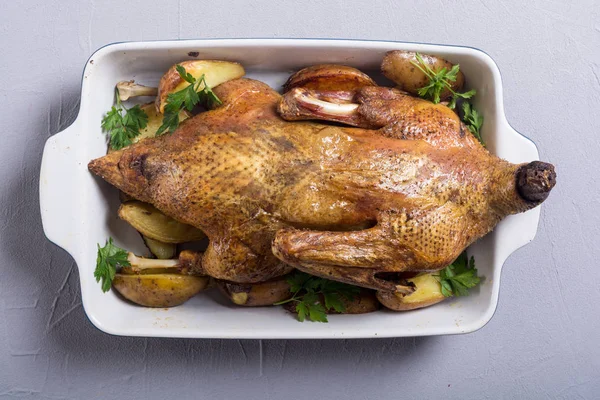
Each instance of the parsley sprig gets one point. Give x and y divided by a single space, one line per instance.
198 92
122 124
310 292
460 276
438 81
110 257
473 119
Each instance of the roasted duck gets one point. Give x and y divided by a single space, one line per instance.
406 187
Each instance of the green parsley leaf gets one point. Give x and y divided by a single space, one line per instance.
112 119
446 288
453 73
339 288
473 119
297 281
170 120
197 92
109 258
123 127
184 74
334 302
310 305
208 97
310 298
314 296
135 118
438 82
302 310
317 313
187 97
467 95
460 276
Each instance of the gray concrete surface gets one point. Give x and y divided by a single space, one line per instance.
544 339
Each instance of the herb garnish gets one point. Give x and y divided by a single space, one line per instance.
460 276
438 81
122 128
473 119
188 97
110 257
310 292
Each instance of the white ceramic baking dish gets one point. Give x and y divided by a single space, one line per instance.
79 210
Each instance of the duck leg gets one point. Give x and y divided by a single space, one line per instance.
391 112
352 257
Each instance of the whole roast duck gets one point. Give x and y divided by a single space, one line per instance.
388 183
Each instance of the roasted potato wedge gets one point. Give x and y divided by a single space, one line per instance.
215 72
256 294
157 283
329 77
398 66
153 224
155 120
160 250
428 291
158 289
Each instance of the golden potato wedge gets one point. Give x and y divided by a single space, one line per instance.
151 223
256 294
428 291
398 66
215 72
159 289
160 250
329 77
155 120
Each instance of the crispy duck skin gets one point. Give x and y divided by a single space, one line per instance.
407 188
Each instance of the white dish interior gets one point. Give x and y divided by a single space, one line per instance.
89 215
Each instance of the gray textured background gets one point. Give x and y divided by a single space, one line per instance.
544 339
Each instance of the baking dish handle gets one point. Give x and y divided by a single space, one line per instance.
519 229
58 195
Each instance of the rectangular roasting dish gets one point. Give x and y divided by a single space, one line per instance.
78 210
